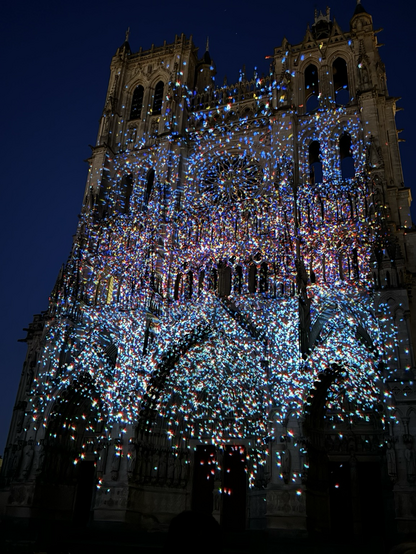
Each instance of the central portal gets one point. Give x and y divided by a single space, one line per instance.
233 484
204 475
233 516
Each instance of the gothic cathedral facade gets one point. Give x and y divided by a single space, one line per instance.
234 329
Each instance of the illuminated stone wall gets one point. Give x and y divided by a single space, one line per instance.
241 277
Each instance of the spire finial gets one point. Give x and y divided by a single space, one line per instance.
358 2
127 34
207 45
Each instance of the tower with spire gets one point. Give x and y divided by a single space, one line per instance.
233 332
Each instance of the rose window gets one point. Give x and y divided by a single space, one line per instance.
231 179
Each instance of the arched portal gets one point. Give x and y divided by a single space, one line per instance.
202 409
68 471
345 472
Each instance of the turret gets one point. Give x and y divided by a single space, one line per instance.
205 71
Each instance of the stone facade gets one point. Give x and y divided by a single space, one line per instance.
235 327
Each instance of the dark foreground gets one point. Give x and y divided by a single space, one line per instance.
47 538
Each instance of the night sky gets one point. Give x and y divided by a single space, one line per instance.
56 59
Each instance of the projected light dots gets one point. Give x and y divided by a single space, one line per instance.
237 207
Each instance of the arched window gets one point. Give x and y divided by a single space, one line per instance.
126 190
201 281
311 87
355 267
178 287
340 75
150 179
238 279
252 278
345 153
214 279
137 103
315 164
189 284
224 285
104 197
158 99
263 277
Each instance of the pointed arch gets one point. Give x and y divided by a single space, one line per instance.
238 280
178 287
137 103
346 157
340 80
158 98
264 274
315 163
150 180
252 278
224 284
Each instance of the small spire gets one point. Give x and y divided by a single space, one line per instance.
207 45
127 34
358 2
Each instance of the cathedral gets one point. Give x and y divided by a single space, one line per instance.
234 330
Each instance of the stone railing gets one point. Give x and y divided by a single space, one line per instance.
243 90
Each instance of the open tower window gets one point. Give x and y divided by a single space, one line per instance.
340 74
345 153
137 103
311 87
158 99
315 164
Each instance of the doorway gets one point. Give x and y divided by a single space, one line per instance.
371 501
204 476
233 517
340 497
84 493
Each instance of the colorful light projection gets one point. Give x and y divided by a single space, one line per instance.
242 203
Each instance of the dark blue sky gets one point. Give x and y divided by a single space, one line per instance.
55 59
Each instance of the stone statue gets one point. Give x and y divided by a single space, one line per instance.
285 88
131 459
41 459
102 461
374 154
28 454
286 465
409 454
171 468
115 463
19 422
391 462
16 461
163 467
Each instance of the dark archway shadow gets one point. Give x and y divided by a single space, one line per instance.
346 490
67 481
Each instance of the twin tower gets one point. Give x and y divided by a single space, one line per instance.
233 331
